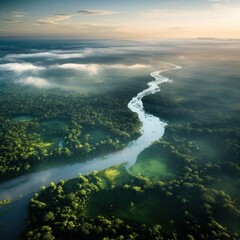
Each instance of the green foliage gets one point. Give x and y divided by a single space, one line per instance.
5 201
64 127
84 209
200 148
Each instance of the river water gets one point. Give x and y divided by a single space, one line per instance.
21 189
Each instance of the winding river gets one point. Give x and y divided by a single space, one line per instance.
21 189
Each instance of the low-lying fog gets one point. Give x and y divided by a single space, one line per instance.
72 65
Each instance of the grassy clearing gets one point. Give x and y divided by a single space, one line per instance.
155 164
50 132
153 168
21 119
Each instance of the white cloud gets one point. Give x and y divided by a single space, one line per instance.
49 55
29 55
96 12
54 20
20 67
91 69
68 54
34 81
94 69
58 18
130 67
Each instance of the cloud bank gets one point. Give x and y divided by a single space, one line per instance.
93 69
70 54
48 55
130 67
34 81
57 73
54 20
20 67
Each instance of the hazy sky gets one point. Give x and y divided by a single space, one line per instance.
125 19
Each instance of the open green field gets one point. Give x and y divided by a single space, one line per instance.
155 164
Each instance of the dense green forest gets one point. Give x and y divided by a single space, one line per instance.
45 127
115 205
184 186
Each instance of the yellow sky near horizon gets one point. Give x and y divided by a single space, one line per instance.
218 19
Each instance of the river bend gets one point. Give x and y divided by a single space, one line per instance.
22 188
